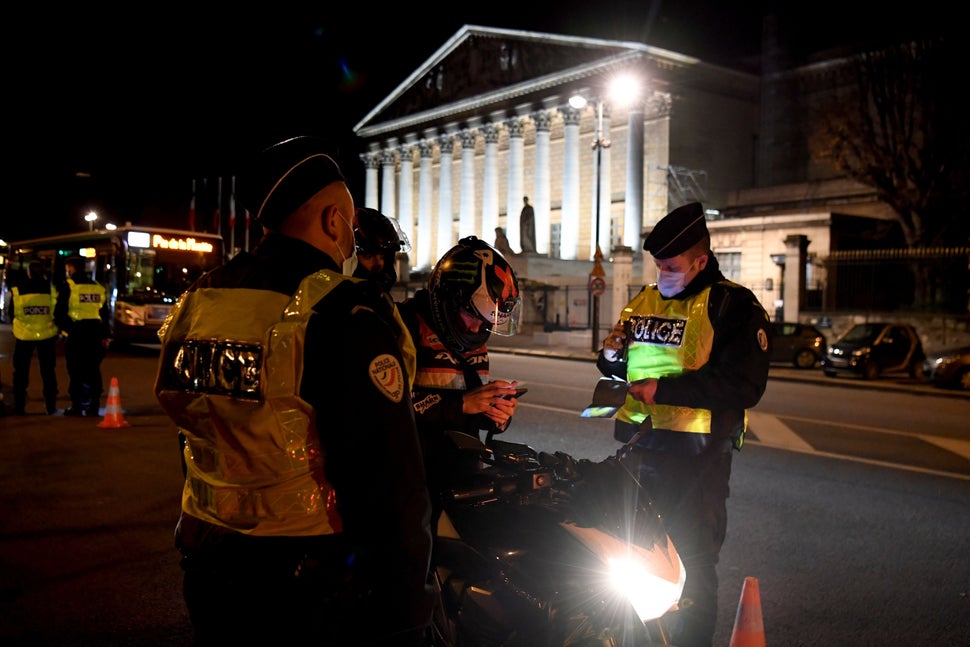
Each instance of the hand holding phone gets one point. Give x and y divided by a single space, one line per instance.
518 393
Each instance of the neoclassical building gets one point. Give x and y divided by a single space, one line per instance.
492 117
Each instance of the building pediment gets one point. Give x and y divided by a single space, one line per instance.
497 68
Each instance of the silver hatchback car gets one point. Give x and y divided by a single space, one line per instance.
949 368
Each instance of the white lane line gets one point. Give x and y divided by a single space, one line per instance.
954 445
774 433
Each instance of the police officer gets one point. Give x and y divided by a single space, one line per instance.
305 509
81 313
695 348
379 241
34 329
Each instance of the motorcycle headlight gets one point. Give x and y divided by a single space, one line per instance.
651 579
651 593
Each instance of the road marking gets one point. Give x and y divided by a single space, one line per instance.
774 433
954 445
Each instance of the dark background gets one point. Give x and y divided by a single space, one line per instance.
140 99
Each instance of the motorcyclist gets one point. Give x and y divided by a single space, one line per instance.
379 240
472 293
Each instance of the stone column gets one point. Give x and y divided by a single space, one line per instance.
466 211
405 207
388 170
633 211
796 250
421 249
490 183
541 198
569 230
446 145
622 279
372 164
516 128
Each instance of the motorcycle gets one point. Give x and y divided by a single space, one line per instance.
541 550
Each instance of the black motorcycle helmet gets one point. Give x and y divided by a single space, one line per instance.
474 277
379 235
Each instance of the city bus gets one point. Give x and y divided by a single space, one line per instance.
144 270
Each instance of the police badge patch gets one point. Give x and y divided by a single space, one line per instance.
388 376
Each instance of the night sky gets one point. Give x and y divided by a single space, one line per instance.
141 103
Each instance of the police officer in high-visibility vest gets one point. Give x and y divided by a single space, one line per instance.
305 512
34 329
81 313
695 348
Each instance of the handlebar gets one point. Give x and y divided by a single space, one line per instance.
512 471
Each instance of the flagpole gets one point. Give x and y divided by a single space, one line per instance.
192 208
232 219
217 216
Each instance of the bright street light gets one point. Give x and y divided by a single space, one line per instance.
91 217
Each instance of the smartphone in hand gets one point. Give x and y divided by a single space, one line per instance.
518 393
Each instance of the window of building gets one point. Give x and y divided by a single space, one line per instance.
555 238
730 263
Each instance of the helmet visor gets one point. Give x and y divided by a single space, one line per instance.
501 316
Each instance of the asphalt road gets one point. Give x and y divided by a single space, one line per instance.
87 515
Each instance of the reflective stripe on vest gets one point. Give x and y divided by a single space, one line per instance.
85 300
33 315
668 337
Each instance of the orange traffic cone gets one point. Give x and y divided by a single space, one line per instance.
112 410
749 628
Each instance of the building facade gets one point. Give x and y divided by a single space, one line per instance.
488 120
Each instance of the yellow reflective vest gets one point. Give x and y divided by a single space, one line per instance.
667 337
254 463
33 315
85 300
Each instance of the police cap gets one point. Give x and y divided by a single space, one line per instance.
284 176
677 232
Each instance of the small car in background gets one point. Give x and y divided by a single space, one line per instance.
949 369
801 345
870 349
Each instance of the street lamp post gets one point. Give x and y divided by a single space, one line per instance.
91 217
623 89
597 281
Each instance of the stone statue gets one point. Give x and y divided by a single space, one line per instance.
527 227
502 242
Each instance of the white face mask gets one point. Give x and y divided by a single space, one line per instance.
671 283
349 264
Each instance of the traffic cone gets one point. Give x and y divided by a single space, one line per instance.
112 410
749 628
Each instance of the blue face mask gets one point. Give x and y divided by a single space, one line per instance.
671 283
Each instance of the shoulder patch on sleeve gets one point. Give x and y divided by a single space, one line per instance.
763 339
388 376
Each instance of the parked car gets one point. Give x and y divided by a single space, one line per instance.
949 368
801 345
871 349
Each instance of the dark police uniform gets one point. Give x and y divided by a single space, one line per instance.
708 348
294 518
82 312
